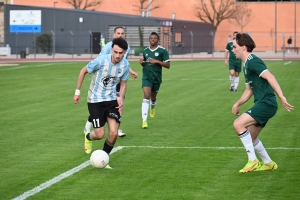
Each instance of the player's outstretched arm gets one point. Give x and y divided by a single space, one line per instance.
133 73
80 79
274 84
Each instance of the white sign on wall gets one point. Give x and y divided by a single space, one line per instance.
25 21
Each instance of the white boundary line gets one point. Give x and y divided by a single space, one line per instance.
288 63
40 65
87 163
58 178
164 147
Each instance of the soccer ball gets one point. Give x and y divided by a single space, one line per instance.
99 159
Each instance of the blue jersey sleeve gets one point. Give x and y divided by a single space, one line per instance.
106 49
127 53
126 71
94 65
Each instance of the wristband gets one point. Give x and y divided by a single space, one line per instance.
77 92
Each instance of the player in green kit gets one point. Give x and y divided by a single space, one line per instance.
154 58
261 84
234 65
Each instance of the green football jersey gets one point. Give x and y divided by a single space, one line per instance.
262 90
153 72
232 57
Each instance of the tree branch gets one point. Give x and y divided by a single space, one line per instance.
215 12
83 4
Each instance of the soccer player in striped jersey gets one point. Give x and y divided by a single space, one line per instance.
103 103
261 84
119 32
154 59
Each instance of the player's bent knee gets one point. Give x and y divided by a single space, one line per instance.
99 134
237 126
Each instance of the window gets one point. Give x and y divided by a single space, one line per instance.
178 37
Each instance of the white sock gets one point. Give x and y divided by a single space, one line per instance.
88 126
261 151
231 78
152 104
236 82
145 108
247 142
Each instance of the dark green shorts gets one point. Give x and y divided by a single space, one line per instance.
235 65
262 112
154 85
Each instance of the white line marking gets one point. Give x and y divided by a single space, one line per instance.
87 163
288 63
12 68
40 65
43 65
163 147
58 178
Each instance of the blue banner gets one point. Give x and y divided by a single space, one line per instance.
25 28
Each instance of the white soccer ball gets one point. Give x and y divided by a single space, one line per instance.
99 159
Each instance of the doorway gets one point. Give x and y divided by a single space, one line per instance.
96 42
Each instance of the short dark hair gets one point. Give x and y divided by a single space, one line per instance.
115 29
120 42
243 39
235 32
154 33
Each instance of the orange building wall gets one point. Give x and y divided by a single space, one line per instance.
260 27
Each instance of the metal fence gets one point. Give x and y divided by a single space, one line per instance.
266 42
190 45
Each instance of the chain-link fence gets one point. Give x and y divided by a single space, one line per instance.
269 42
186 44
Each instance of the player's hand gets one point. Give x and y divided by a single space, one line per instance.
120 105
286 105
134 74
226 62
152 61
141 61
76 99
235 110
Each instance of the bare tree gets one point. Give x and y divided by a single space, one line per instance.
242 17
2 20
83 4
4 2
214 12
146 8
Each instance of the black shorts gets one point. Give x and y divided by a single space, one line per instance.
100 111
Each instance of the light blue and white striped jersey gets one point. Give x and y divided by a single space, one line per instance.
107 50
105 78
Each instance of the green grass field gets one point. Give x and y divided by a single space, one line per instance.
190 150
